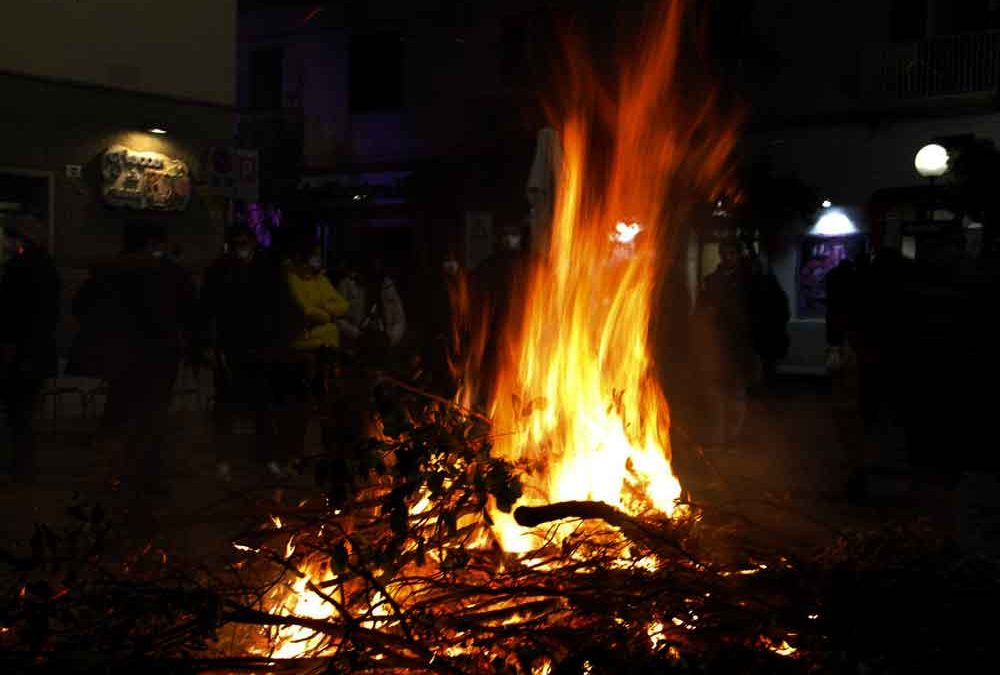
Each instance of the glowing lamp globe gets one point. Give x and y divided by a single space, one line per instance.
833 223
931 161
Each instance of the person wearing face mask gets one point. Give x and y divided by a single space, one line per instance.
317 301
237 324
312 343
350 284
375 323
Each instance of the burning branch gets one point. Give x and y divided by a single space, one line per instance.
433 594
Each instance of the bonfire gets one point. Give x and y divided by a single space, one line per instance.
544 533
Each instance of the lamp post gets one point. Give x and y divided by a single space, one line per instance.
931 161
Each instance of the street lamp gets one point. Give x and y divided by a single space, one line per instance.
931 161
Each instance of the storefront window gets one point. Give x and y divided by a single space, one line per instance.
25 199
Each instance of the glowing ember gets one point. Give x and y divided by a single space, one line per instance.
299 599
577 383
655 633
781 649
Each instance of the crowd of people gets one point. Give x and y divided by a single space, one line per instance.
273 326
286 340
911 346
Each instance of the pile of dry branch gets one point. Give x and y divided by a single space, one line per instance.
398 572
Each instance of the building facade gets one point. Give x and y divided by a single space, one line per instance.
79 79
843 96
410 127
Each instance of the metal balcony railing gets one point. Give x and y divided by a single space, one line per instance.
948 65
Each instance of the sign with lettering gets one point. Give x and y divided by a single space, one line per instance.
233 173
247 175
147 181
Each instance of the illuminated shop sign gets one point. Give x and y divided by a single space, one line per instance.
147 181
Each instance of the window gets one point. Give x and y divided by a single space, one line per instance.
267 78
513 49
907 20
376 72
25 199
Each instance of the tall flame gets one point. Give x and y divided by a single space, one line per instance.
575 400
576 383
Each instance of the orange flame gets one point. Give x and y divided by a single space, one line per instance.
577 382
468 340
575 402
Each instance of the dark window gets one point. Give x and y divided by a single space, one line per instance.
23 196
376 72
513 49
908 20
266 78
530 48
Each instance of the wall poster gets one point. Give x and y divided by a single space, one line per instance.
146 181
818 256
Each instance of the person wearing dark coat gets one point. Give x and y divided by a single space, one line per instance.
769 316
236 301
723 329
497 285
29 305
436 317
135 312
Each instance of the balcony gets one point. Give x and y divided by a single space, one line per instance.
944 66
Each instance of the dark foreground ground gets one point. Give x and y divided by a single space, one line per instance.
785 480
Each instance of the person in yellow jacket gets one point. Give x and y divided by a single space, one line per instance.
312 341
317 300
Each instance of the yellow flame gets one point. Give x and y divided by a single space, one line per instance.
577 384
544 667
575 401
298 599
